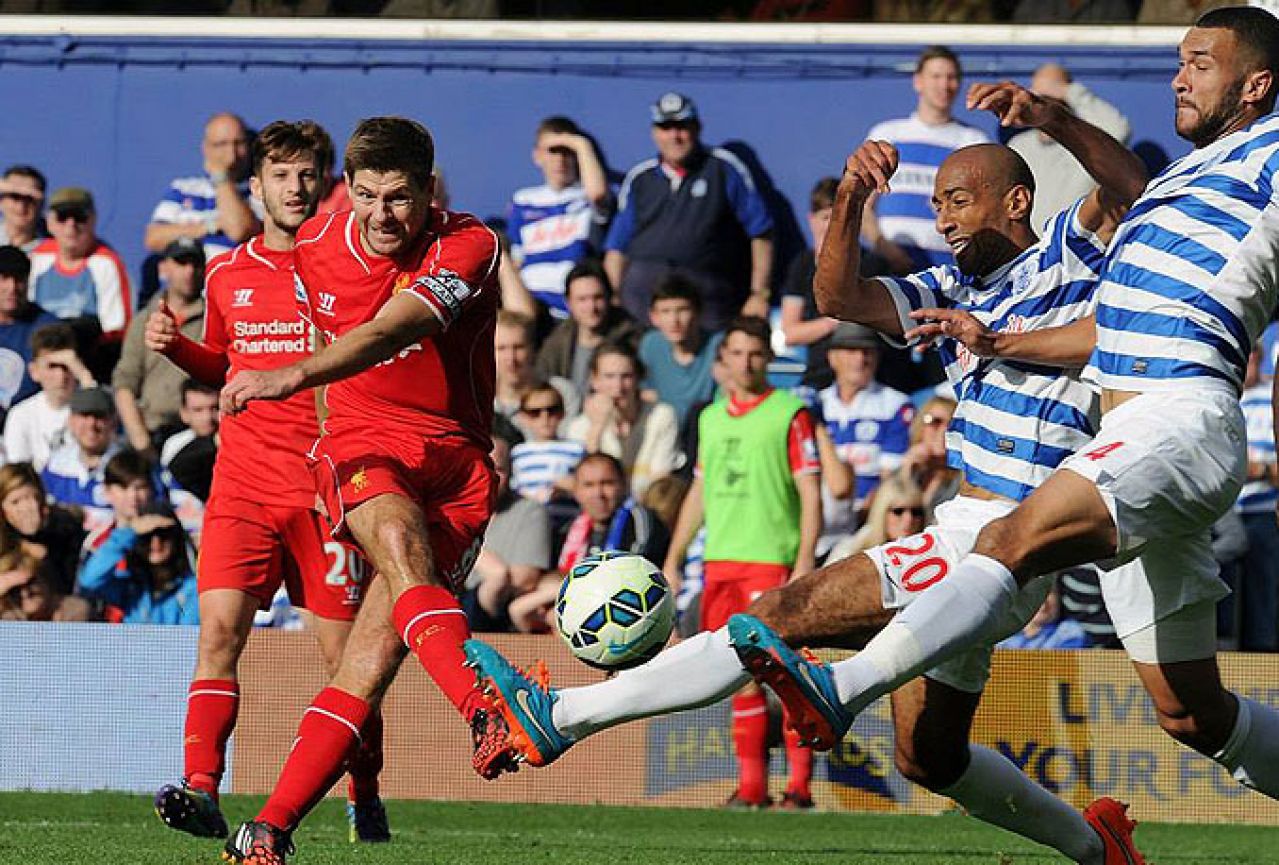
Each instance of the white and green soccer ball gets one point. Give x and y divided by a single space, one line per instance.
615 610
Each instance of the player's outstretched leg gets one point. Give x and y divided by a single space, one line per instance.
258 843
190 810
805 687
1109 818
525 704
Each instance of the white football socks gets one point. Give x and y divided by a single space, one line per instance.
944 619
701 670
994 790
1251 754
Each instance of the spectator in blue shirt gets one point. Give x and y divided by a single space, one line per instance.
74 475
678 353
143 569
19 317
557 224
696 210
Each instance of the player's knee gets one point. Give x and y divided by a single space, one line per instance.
1003 541
221 642
781 610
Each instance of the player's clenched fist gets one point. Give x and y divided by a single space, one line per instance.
1014 105
162 329
869 168
249 385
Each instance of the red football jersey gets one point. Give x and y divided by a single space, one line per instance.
251 317
441 386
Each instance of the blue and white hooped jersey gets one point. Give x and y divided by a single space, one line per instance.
1270 349
1016 421
1259 496
906 214
550 231
191 200
1193 270
870 434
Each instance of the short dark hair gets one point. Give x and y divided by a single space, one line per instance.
937 52
557 125
27 171
619 349
391 144
52 337
751 325
126 467
14 262
601 457
1256 31
192 385
822 197
588 268
676 286
286 139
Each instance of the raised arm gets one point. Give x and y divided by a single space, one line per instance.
838 287
1120 175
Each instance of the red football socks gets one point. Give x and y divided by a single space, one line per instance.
433 626
800 761
212 706
327 737
750 740
366 763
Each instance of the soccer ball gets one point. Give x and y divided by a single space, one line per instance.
615 610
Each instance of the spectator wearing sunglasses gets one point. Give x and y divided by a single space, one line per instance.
896 511
542 465
75 275
144 571
21 204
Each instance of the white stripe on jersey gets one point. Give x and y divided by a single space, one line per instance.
1258 496
1193 271
1016 421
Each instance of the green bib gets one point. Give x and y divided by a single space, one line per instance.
751 502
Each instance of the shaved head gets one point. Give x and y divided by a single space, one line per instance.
994 166
983 195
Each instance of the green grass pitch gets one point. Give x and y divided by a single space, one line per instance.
117 829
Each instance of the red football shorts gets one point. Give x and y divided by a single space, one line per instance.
729 587
451 480
254 548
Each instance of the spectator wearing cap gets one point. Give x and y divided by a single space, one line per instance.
557 224
213 208
696 210
148 388
74 474
143 570
19 317
22 190
36 426
901 226
74 274
869 425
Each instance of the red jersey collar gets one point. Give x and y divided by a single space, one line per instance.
738 407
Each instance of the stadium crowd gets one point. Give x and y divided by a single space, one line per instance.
610 349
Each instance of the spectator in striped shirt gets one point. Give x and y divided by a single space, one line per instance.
1257 579
557 224
213 207
542 465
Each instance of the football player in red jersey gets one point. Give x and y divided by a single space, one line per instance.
406 297
261 527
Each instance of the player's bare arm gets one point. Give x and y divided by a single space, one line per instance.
402 322
1066 346
838 287
1120 175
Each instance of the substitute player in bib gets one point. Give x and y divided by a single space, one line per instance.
406 297
1188 284
1022 287
261 527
